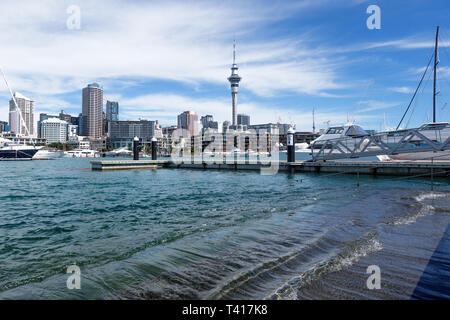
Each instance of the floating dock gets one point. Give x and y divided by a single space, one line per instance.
126 164
390 168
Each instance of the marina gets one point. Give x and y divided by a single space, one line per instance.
161 186
392 168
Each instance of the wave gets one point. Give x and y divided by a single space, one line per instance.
431 195
424 208
349 256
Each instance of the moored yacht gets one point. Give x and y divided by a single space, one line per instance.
45 153
81 153
349 130
14 151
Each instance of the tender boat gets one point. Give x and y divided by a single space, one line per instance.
81 153
46 153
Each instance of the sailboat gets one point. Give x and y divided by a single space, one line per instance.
430 127
13 151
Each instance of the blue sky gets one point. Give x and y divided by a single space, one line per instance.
159 58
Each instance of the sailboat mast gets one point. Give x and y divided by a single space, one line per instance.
434 80
314 123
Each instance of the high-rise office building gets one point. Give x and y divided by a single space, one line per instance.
42 117
205 120
112 110
54 130
208 123
189 120
92 121
243 119
234 80
80 124
121 133
4 127
65 116
26 107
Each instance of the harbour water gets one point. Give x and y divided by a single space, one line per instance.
182 234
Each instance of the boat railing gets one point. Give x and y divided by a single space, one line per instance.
422 139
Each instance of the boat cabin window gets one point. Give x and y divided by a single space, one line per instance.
356 131
433 126
335 130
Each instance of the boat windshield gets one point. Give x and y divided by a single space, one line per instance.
335 130
356 131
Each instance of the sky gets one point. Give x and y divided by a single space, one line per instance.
160 58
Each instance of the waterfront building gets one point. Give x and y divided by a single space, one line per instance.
92 111
26 107
80 124
112 113
42 117
243 119
121 133
208 123
4 127
234 80
225 125
54 130
271 127
72 130
204 120
65 116
189 120
112 110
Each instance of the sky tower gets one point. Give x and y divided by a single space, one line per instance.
234 81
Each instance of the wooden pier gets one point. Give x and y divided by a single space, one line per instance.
390 168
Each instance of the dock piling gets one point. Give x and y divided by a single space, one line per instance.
136 148
154 149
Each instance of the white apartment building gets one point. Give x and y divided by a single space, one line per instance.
26 106
54 130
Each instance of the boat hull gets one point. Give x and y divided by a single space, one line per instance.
26 154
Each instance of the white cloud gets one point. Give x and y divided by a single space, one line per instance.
165 106
186 41
407 90
372 105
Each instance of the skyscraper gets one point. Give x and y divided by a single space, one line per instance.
92 121
189 120
243 119
112 110
4 127
26 107
234 82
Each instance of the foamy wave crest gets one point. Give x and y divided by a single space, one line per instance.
431 195
423 211
345 259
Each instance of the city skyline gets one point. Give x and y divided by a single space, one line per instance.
293 57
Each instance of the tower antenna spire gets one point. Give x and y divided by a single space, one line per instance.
234 51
